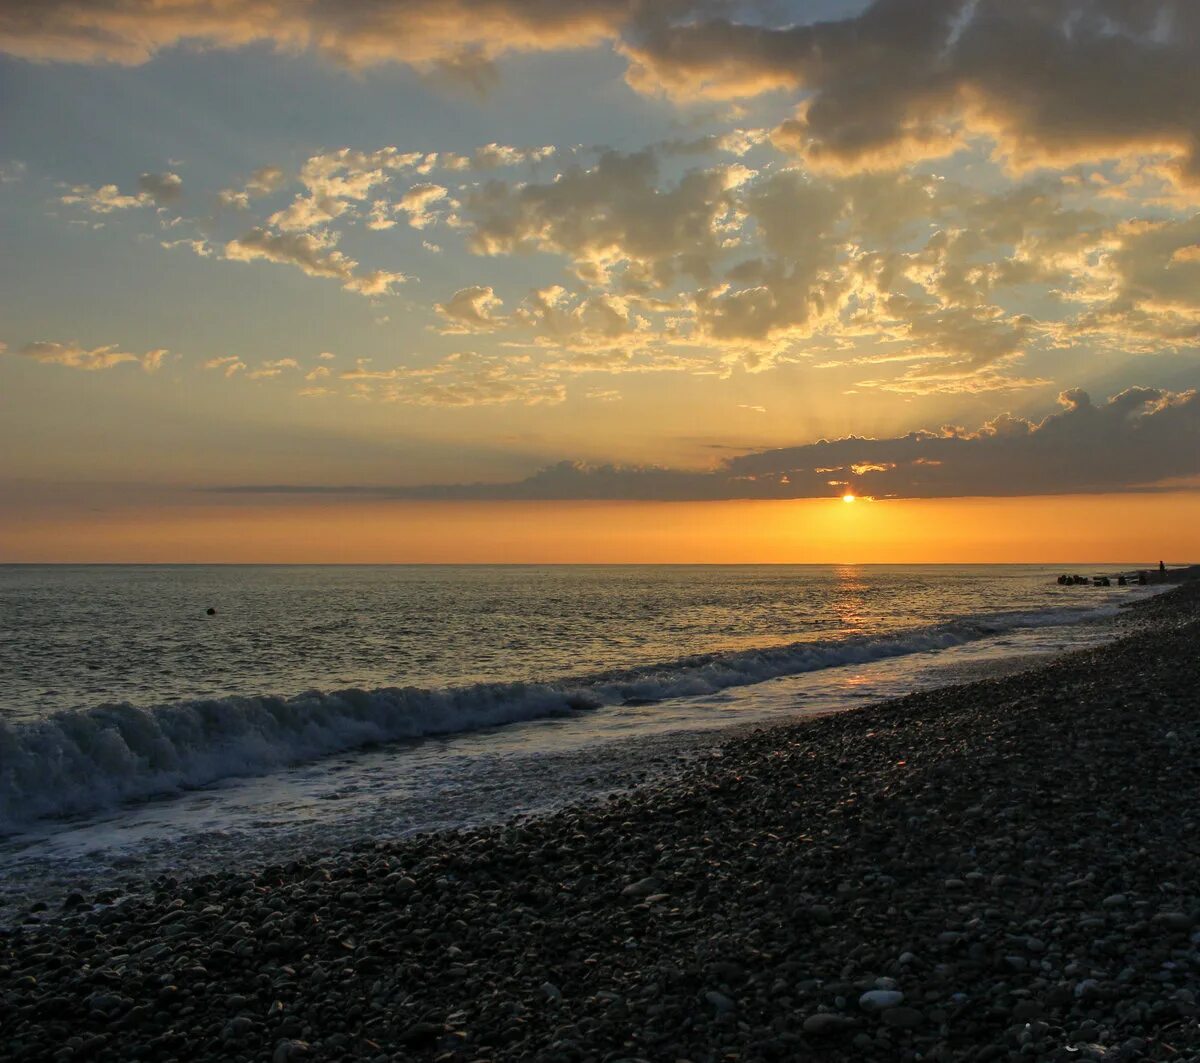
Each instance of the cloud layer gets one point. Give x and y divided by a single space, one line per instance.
457 36
840 237
1133 441
1049 81
1046 80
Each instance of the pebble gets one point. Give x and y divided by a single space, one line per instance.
879 999
1177 922
719 1001
827 1023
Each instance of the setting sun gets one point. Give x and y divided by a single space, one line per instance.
847 498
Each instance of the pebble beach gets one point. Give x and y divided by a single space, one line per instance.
1005 869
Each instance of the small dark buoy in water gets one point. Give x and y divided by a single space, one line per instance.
211 611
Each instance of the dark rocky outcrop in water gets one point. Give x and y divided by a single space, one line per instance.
1006 870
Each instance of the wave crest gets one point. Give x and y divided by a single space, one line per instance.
82 760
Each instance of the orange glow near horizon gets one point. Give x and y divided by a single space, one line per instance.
1074 529
847 498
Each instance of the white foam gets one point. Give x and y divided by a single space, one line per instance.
83 760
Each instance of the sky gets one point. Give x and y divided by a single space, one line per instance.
556 280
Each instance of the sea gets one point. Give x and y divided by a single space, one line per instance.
162 720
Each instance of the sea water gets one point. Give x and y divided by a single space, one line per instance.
182 717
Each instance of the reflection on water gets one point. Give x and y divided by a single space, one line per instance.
850 604
83 636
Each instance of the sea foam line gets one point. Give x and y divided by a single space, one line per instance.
83 760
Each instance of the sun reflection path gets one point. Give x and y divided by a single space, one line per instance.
850 603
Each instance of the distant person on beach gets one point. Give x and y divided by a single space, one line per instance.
1162 569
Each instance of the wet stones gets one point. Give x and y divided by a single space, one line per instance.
902 1018
876 1000
643 887
1174 922
825 1024
719 1001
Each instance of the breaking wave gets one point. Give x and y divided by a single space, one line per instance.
82 760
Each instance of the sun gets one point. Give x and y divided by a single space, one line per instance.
847 498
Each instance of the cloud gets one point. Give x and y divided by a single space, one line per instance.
924 278
105 199
603 321
610 216
492 156
229 364
601 332
153 360
1144 290
461 379
459 38
1046 81
812 269
921 277
418 200
925 380
471 310
334 182
958 283
314 254
308 212
264 181
1049 82
162 188
380 217
1135 440
199 247
96 358
273 368
797 284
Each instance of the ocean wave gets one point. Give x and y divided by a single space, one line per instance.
83 760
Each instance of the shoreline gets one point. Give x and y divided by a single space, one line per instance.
460 781
1009 855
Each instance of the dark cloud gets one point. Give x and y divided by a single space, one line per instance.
1051 81
1135 440
1048 80
458 38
